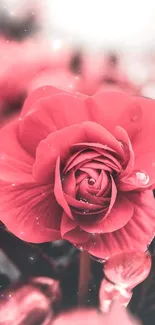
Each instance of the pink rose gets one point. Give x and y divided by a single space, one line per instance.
82 169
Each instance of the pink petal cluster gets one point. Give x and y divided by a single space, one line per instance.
123 272
82 169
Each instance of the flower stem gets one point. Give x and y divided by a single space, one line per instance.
84 277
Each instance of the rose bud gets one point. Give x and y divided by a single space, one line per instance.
128 269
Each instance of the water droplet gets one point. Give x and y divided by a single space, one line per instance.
32 258
83 200
135 113
139 128
13 184
134 118
86 211
97 259
10 295
80 248
143 178
62 178
91 181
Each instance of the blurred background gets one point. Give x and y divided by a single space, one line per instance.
96 27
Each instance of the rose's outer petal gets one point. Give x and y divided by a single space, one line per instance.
128 268
144 143
28 210
39 93
122 136
49 114
59 143
15 162
114 108
135 235
119 216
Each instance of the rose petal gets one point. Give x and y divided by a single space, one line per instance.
48 115
110 293
98 134
67 224
101 151
58 191
112 108
135 235
30 211
128 269
119 216
70 231
81 205
15 162
60 142
26 208
56 144
79 158
122 136
110 164
36 95
144 143
69 183
97 165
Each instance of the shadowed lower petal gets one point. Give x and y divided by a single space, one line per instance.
135 235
